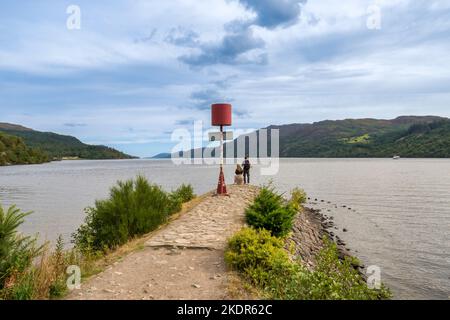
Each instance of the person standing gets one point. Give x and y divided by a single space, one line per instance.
246 165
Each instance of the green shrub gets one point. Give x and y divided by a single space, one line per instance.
28 271
337 279
262 260
185 193
257 254
271 212
181 195
59 262
16 252
134 208
298 198
23 287
250 248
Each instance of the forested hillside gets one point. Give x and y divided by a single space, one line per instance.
57 146
13 150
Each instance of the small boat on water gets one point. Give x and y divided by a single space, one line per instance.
396 157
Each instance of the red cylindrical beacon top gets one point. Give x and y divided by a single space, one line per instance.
221 114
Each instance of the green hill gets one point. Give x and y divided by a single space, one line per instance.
407 136
422 137
14 151
58 146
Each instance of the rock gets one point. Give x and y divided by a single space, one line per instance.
108 291
173 253
196 286
344 230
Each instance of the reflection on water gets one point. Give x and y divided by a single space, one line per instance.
397 212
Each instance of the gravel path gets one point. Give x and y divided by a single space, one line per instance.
184 260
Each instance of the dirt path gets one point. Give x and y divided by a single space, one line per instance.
184 260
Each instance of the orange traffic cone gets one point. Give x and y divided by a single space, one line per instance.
221 187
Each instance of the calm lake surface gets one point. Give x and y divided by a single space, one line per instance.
399 218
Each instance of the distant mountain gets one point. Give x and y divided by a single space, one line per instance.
406 136
162 156
58 146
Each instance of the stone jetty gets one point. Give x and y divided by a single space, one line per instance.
182 260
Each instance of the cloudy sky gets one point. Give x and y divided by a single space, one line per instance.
138 69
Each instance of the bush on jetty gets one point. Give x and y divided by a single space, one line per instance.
271 212
183 194
134 207
259 253
265 263
259 256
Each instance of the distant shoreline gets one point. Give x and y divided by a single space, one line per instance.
169 159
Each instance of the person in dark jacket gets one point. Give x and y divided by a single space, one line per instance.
246 165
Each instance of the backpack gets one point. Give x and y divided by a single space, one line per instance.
246 165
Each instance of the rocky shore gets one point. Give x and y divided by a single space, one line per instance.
310 229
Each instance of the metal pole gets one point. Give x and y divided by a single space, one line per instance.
221 147
221 187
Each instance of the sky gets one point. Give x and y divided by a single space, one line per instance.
128 73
